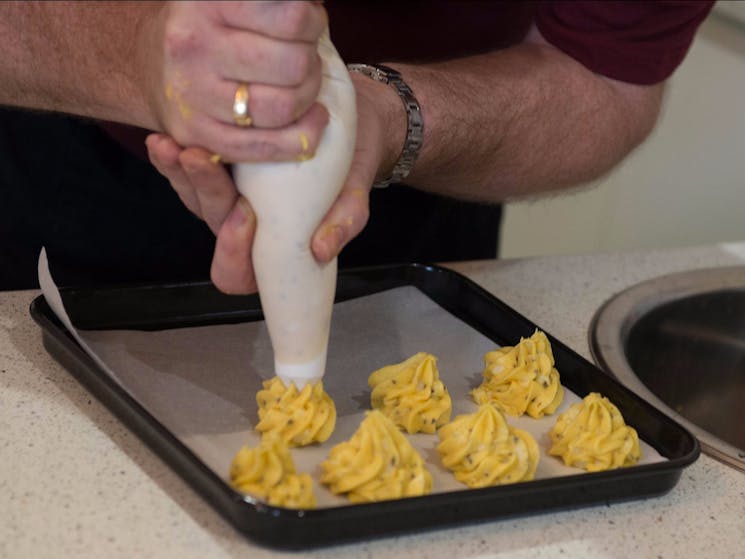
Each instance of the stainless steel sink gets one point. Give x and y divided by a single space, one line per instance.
678 341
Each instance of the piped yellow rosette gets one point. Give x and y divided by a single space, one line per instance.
482 450
411 394
298 418
593 435
268 473
521 379
377 463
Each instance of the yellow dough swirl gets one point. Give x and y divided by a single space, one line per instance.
298 418
521 379
482 450
268 473
377 463
412 394
593 435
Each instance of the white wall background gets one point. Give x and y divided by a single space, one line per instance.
685 185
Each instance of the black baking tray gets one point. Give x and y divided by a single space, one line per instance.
155 307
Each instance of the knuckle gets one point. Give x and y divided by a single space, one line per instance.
242 149
275 107
181 42
263 150
283 109
295 18
250 57
298 65
206 188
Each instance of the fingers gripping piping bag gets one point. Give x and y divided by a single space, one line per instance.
290 199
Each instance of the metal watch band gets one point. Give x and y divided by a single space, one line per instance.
414 124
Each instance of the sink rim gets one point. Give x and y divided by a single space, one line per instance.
611 323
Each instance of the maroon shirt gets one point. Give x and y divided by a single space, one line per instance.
634 41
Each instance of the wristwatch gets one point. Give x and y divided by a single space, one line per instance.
415 122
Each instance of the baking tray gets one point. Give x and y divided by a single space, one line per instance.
160 307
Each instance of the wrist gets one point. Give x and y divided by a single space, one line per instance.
149 81
390 117
401 117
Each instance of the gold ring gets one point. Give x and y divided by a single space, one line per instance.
240 106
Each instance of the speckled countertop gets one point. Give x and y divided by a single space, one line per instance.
74 482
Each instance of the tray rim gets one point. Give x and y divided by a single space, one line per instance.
252 517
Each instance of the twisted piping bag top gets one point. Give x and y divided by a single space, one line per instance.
290 199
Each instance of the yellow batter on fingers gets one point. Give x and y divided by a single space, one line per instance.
482 450
268 473
299 418
412 394
377 463
521 379
304 154
593 435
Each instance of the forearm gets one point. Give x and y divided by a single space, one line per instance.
521 121
82 58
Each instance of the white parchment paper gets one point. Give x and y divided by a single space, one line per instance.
201 383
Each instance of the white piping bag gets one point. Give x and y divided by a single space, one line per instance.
290 199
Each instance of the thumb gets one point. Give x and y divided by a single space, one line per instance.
349 214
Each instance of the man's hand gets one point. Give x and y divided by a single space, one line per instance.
207 189
173 67
201 52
